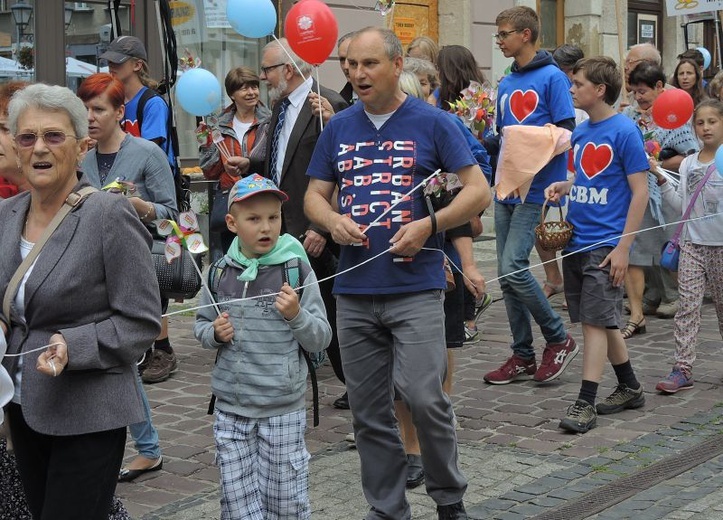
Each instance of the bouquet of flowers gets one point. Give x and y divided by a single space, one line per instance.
652 147
476 108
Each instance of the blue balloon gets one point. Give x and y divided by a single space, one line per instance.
719 159
251 18
706 56
198 92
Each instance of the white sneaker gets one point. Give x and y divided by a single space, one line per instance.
667 310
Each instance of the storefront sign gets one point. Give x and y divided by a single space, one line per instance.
215 13
405 29
186 21
683 7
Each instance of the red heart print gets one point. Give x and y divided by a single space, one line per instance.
131 127
595 159
571 161
522 104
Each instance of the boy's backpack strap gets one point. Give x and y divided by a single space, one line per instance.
215 271
147 94
292 276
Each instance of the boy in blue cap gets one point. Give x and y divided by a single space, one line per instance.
260 375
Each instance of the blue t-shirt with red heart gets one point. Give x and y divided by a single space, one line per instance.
604 154
155 122
536 95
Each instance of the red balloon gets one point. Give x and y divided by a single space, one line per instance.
311 29
672 109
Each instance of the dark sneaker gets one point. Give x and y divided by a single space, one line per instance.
581 417
622 398
452 512
481 305
555 359
515 368
679 379
342 403
162 365
415 471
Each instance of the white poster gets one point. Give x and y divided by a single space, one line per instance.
683 7
215 11
186 21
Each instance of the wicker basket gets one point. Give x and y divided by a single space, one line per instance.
554 235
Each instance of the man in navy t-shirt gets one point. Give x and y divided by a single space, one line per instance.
390 302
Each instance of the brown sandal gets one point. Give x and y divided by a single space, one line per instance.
632 329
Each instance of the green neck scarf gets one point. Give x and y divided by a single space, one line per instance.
287 247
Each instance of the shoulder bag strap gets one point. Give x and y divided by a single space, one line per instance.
676 236
73 200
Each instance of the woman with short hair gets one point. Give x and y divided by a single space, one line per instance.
76 325
242 126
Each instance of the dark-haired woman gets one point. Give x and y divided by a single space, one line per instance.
689 77
242 126
647 82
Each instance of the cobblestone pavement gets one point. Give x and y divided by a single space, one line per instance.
519 464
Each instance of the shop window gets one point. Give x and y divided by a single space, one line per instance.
645 19
207 34
552 21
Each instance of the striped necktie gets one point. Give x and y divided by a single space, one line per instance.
275 142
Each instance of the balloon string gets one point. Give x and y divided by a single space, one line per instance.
604 242
26 352
237 300
293 62
403 199
318 87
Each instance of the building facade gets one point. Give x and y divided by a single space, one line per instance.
81 30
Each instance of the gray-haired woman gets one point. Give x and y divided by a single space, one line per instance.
75 325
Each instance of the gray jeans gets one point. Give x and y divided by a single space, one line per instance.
397 342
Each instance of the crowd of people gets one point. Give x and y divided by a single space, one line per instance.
321 249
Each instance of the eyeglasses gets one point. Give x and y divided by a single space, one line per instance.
51 138
265 70
502 35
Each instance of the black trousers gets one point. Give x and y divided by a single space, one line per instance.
67 477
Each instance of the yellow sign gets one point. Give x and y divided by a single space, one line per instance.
405 29
181 12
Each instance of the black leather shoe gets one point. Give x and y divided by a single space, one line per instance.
452 512
415 471
342 403
129 475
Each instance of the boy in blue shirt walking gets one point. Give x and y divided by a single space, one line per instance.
608 197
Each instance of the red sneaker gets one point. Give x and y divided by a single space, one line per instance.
515 368
555 359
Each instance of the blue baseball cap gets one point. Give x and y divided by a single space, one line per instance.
253 185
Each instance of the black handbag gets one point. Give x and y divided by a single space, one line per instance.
179 279
217 219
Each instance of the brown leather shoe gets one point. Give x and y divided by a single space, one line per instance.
162 365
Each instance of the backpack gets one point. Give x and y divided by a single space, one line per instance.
292 276
182 182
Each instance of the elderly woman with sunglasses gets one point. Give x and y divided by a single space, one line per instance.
80 316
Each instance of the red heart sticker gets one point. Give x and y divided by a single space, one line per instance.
595 159
522 104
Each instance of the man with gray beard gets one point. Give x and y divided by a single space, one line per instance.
292 134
